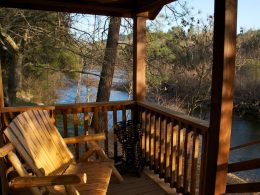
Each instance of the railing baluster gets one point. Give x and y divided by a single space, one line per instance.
173 153
124 118
65 123
143 132
86 121
106 130
96 129
124 115
133 116
167 149
152 140
76 133
147 136
179 158
162 147
202 161
11 115
51 113
4 120
115 137
156 144
195 152
187 142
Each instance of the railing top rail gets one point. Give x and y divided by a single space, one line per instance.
67 106
94 104
195 122
245 145
25 108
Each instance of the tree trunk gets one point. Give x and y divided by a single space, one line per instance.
108 66
15 55
15 75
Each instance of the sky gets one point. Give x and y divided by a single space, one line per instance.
248 15
248 12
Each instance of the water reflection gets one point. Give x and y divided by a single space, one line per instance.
245 130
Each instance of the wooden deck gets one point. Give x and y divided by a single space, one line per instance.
143 185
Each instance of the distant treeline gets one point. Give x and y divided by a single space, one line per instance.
179 70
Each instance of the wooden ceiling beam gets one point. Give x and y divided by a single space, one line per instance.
151 5
120 8
153 8
71 7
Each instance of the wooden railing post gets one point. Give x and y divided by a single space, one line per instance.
139 55
1 88
224 46
3 180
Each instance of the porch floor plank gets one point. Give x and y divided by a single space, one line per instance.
135 186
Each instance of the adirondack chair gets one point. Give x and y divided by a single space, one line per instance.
39 143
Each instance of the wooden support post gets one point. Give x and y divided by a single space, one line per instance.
218 139
139 55
3 180
1 88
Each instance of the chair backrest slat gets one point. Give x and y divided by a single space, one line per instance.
39 142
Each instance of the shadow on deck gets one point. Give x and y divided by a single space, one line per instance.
143 185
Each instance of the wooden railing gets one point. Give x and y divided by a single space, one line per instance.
105 115
74 120
173 146
244 166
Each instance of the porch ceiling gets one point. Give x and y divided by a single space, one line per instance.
120 8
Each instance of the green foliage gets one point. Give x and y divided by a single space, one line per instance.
45 46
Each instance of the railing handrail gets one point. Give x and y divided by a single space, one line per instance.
195 122
67 106
94 104
245 145
244 165
25 108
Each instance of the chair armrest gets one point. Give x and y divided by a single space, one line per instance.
6 149
85 138
24 182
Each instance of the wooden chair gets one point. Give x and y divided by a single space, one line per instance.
39 143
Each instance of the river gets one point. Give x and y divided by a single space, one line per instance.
244 129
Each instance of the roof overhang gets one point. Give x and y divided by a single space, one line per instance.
120 8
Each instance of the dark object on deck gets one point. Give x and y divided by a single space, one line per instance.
130 137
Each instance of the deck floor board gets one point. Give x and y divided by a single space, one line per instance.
135 186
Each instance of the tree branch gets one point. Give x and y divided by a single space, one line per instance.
67 70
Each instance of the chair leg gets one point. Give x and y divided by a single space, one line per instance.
117 174
71 190
100 152
87 154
